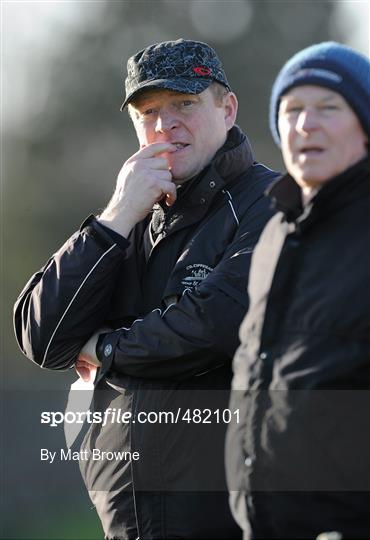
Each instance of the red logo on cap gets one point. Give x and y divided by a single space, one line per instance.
199 70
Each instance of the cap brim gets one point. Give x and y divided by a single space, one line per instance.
186 86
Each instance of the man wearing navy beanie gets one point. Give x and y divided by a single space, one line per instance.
298 458
330 65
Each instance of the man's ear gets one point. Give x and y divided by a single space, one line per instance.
231 109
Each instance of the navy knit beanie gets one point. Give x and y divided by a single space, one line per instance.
331 65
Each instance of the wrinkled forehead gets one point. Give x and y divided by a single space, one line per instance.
310 92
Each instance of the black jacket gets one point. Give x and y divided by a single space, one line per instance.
175 296
302 371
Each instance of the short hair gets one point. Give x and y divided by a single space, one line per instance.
218 91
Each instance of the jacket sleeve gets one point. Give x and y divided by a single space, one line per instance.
191 335
68 299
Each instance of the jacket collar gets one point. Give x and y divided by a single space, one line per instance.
235 156
340 190
195 196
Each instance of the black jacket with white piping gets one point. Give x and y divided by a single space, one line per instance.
174 297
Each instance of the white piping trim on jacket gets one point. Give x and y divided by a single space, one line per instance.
185 291
136 320
125 328
231 206
167 308
264 166
71 302
208 370
161 314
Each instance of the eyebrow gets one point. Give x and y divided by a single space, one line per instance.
144 101
328 97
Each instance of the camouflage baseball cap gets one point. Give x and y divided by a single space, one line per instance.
183 65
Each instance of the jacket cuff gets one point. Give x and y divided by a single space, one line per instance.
120 240
105 349
103 235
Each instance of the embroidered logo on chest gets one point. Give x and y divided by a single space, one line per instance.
196 274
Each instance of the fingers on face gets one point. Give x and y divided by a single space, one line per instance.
157 163
169 190
164 189
170 198
162 176
153 149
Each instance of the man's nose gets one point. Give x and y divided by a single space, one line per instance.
307 121
166 121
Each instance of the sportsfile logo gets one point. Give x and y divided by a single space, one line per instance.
113 415
109 416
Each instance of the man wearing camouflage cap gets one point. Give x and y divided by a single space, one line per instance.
153 292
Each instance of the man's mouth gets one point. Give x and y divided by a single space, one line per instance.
310 151
180 146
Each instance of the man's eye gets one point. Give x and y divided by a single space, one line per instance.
293 109
186 103
329 107
149 111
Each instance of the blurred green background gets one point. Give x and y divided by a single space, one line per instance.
63 143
